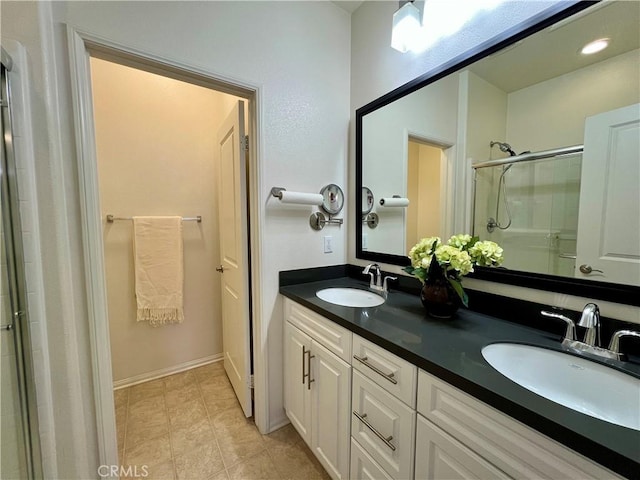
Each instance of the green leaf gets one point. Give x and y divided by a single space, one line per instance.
457 286
472 242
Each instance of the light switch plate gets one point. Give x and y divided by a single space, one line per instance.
328 244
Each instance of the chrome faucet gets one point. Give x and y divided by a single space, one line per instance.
590 319
376 283
376 276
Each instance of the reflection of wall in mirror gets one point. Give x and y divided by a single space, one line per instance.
545 195
430 113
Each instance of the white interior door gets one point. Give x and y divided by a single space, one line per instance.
609 215
234 268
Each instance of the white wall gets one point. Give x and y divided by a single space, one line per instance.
551 114
157 155
377 69
297 55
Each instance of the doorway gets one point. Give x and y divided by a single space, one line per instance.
82 49
426 176
165 147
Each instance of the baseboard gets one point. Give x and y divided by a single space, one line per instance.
145 377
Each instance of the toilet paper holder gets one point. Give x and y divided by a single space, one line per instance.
330 199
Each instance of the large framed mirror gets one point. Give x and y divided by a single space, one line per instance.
528 142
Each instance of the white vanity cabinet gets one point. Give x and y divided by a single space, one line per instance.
369 414
460 437
317 385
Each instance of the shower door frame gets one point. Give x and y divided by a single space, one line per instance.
12 233
81 46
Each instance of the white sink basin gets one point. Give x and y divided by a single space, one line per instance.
577 383
350 297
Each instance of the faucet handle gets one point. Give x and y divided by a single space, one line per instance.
570 332
614 345
385 286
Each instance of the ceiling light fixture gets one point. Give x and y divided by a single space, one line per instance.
406 27
595 46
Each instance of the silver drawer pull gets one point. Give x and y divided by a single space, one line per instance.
386 440
388 376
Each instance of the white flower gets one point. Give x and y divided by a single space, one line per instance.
486 254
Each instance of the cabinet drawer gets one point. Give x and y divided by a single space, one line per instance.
395 375
363 467
439 455
327 333
383 426
512 447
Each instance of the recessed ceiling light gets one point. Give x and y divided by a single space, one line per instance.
595 46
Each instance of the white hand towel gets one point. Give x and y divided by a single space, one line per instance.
159 270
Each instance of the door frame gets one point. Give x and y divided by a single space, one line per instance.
81 46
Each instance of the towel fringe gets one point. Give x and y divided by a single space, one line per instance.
160 315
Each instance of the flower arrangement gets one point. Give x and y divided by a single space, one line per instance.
432 260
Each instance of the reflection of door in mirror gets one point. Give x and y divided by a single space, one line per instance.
609 217
425 165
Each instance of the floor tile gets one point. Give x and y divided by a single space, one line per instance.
210 370
257 467
146 404
146 425
286 435
176 397
150 452
189 426
185 439
187 413
216 405
146 390
296 461
179 380
199 463
240 444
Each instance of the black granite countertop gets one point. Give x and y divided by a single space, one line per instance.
451 350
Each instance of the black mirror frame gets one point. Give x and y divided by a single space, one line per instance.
618 293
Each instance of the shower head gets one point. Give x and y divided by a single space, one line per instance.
504 147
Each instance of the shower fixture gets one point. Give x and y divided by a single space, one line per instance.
504 147
494 222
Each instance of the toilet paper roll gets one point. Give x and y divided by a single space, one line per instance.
300 198
394 202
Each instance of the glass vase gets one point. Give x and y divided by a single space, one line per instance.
439 298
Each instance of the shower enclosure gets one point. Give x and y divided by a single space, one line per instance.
528 204
19 445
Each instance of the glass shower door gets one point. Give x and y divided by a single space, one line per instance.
13 457
19 440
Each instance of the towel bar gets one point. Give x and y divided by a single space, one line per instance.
111 219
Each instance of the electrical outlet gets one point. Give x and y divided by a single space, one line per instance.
328 244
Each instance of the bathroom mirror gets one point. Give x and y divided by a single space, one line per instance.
530 91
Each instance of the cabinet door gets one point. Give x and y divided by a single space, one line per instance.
297 397
438 455
330 411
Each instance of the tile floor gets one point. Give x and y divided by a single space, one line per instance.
189 426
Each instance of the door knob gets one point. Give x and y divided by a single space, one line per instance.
220 269
586 269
